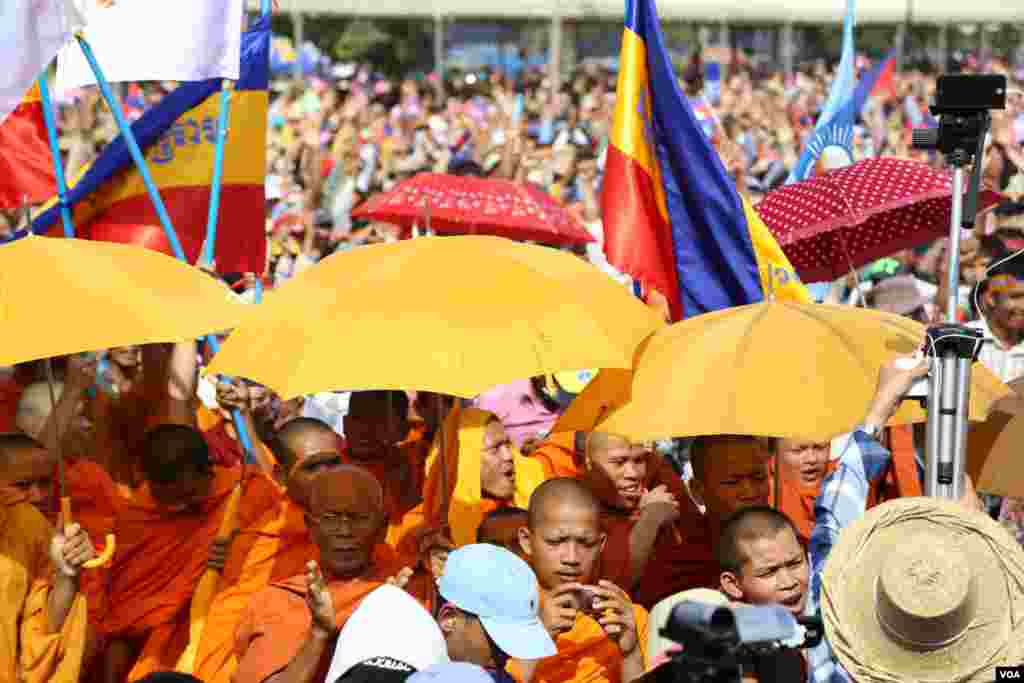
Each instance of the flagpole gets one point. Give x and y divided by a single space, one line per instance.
58 167
133 149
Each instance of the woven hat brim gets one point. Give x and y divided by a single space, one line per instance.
996 635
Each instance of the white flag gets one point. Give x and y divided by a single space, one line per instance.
31 33
150 40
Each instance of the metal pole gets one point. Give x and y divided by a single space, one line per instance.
300 38
723 34
133 149
955 218
943 47
58 167
209 244
555 48
787 47
439 45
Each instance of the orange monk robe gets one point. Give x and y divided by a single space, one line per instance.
274 549
460 504
277 622
160 558
585 654
557 454
797 500
681 559
28 653
901 478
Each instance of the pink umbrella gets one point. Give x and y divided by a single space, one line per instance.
852 216
463 205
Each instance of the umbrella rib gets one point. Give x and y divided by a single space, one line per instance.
745 345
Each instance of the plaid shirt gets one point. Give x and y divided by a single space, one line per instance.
843 499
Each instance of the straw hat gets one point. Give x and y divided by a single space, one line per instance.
924 590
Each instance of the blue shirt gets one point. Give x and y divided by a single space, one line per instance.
843 499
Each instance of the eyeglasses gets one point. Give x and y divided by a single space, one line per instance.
332 522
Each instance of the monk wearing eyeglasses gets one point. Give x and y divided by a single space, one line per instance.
287 633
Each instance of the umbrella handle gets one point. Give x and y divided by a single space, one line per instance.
108 549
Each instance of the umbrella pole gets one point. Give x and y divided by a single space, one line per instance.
58 167
65 501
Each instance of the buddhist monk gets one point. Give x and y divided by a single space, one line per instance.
276 547
501 528
165 539
288 631
762 559
480 472
92 492
803 466
43 620
658 544
599 632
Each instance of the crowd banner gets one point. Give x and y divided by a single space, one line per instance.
142 40
111 200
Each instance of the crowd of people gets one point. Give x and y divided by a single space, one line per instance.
385 535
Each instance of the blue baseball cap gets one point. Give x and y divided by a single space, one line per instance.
501 590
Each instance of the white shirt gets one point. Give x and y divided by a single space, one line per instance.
1006 363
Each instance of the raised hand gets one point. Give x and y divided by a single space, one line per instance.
319 601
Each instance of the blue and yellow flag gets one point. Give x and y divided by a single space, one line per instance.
673 218
831 144
178 137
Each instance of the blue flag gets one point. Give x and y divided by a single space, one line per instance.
833 134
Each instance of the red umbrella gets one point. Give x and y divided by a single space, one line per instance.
855 215
464 205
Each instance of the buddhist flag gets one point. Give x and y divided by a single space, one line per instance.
150 40
673 218
26 165
32 32
178 137
831 144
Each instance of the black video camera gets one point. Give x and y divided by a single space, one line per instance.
720 644
962 104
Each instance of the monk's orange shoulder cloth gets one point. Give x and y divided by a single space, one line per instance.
585 654
277 621
29 653
161 556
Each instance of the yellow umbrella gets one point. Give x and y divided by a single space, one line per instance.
776 368
63 296
994 448
454 315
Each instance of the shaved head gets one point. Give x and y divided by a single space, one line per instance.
28 467
602 442
347 519
745 527
300 438
554 494
34 407
339 487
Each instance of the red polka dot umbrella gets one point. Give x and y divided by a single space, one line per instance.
855 215
462 205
